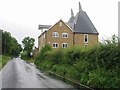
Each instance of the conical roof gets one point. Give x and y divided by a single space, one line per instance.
72 17
82 24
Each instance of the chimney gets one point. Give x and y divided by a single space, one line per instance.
72 14
80 8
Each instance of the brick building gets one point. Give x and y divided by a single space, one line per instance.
78 31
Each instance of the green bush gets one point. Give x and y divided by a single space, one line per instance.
97 66
57 56
41 56
73 54
24 55
81 66
4 61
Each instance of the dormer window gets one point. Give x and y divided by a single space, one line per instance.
85 38
55 34
65 35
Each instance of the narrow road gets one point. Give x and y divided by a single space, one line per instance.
20 74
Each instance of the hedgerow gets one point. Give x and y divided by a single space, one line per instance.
97 67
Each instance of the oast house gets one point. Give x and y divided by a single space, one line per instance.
78 31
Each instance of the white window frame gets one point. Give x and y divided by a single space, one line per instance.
55 45
63 35
64 44
84 38
55 34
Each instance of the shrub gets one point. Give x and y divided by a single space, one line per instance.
57 56
73 55
41 56
24 55
96 66
81 66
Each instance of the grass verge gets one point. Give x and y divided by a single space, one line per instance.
3 60
0 62
30 60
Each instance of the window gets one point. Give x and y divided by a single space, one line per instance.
85 38
55 45
55 34
65 35
64 45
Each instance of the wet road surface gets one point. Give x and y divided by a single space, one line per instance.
20 74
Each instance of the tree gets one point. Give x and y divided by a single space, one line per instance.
6 43
10 46
16 47
28 44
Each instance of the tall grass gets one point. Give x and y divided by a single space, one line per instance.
3 60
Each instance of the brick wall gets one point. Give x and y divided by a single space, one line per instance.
79 39
73 39
41 40
60 39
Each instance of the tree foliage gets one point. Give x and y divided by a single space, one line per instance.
10 46
28 44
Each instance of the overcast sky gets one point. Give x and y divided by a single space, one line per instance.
22 17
